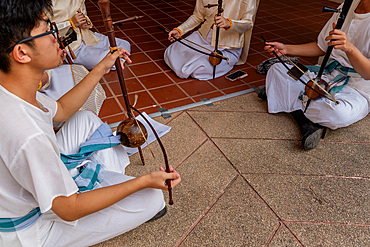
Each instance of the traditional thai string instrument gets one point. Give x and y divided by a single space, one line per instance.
215 60
132 133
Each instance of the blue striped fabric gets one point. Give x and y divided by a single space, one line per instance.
19 223
101 139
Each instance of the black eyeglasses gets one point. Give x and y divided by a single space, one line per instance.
53 31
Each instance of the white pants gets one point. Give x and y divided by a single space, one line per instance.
283 91
90 56
121 217
186 62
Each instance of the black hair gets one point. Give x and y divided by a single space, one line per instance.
17 19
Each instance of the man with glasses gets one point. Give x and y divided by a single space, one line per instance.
40 203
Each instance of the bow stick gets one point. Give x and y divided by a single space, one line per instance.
105 10
120 22
342 16
216 55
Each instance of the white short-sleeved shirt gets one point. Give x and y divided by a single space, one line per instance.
31 171
357 28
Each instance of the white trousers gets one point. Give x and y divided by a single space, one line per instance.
186 62
90 56
283 91
121 217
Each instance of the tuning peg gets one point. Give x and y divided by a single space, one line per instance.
328 9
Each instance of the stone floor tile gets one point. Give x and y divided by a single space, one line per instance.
309 198
283 237
287 157
246 125
239 218
204 176
332 234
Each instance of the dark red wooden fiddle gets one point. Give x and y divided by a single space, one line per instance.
130 130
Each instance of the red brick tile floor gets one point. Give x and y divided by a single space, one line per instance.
148 77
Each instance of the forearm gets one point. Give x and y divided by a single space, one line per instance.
72 101
359 62
79 205
304 50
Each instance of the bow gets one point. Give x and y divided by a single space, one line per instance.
219 56
132 133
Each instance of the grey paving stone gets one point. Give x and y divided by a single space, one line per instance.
279 156
283 237
239 218
204 176
332 234
309 198
247 125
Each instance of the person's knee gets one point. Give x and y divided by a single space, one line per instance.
85 117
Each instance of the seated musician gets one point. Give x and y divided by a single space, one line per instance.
235 23
89 48
46 199
347 72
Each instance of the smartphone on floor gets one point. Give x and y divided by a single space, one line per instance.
236 75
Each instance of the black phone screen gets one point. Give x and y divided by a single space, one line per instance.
235 75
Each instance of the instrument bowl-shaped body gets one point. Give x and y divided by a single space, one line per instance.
215 60
131 134
313 94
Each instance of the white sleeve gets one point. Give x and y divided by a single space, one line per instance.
37 167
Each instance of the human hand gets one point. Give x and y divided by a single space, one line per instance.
174 33
157 179
80 20
222 22
63 56
108 61
277 47
339 40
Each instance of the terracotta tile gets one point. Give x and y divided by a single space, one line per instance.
132 85
144 99
109 107
162 64
253 75
142 38
174 77
106 90
208 96
139 58
256 59
222 83
236 89
135 31
197 87
168 93
149 46
155 80
111 76
156 55
144 68
113 119
258 83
